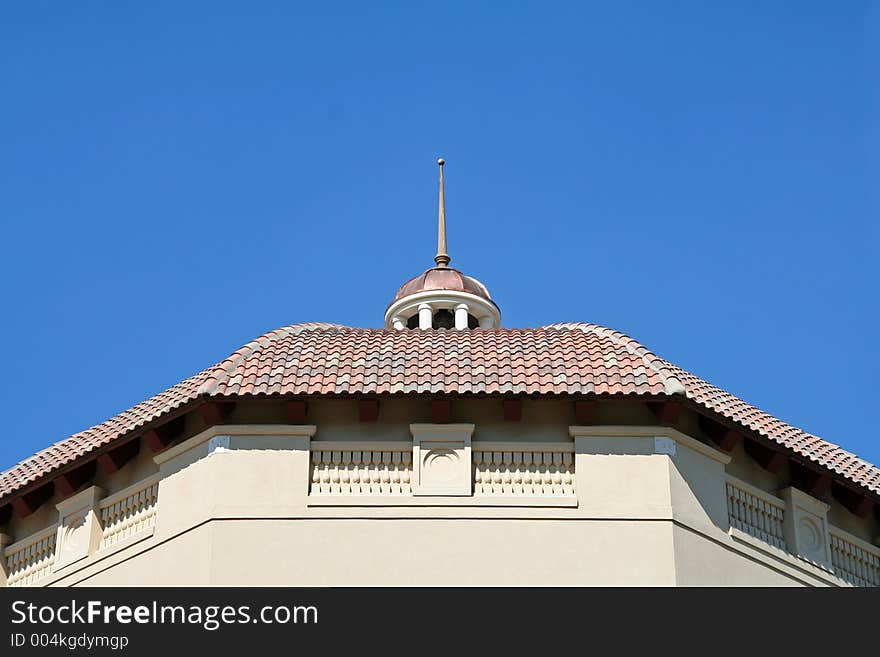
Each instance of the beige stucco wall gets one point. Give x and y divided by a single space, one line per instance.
242 514
356 552
700 561
184 561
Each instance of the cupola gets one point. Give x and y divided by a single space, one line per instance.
442 297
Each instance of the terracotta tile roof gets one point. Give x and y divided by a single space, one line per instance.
329 359
816 449
68 450
340 360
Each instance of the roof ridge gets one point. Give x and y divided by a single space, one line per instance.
799 433
221 371
732 397
137 420
671 383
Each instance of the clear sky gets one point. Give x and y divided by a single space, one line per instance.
177 178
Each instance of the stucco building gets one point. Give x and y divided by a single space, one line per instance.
441 449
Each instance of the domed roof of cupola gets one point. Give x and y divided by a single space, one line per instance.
443 278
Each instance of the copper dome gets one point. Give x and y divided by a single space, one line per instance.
443 278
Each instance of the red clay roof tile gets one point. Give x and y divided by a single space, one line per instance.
561 359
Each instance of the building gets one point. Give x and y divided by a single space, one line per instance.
441 449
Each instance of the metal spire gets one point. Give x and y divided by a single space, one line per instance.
442 258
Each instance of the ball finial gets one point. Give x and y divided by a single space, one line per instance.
441 161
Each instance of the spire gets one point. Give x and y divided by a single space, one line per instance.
442 258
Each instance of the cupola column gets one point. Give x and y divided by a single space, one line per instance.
425 316
487 322
397 323
461 316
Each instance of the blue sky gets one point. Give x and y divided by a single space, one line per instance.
177 178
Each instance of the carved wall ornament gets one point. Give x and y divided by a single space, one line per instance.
442 459
806 527
79 529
